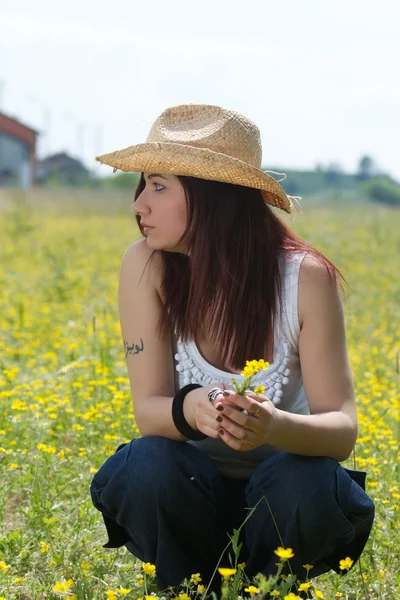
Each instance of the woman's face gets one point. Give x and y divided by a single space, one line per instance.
162 206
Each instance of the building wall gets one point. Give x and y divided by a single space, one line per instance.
15 162
17 130
17 153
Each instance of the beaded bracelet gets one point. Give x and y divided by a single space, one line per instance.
179 418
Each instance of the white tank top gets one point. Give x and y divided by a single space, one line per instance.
282 380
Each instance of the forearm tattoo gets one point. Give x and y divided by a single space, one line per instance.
133 349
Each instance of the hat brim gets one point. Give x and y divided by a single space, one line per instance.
181 159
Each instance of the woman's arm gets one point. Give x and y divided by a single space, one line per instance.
149 355
331 428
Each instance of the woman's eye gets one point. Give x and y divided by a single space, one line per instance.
158 187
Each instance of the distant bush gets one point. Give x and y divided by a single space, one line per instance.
291 187
121 181
383 190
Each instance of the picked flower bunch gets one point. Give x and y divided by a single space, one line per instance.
249 372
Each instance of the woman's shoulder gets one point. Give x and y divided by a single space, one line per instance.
317 287
139 256
308 266
314 272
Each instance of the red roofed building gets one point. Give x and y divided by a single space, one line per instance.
17 153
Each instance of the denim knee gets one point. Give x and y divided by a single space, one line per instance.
293 472
319 508
153 466
150 465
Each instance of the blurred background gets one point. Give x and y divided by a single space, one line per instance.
81 78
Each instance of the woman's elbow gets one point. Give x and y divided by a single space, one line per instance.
348 439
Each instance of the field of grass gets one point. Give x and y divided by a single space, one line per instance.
65 399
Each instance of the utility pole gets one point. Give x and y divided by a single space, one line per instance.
2 87
46 124
98 139
80 140
46 127
98 144
79 145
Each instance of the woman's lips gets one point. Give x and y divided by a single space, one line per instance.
147 228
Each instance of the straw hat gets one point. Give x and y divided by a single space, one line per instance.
205 141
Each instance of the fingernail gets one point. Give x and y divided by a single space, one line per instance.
226 393
219 419
221 431
219 407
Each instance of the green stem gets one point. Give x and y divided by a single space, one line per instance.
227 546
276 527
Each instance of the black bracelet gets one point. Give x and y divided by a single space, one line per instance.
179 418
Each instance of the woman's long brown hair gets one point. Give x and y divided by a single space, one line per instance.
230 278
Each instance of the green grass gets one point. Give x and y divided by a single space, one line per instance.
65 401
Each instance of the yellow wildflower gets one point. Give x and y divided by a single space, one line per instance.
284 553
253 366
275 593
252 590
291 596
195 578
149 569
318 593
260 389
183 596
44 547
13 466
140 579
18 580
346 563
338 595
111 595
308 567
242 565
382 573
200 589
63 586
4 567
86 566
247 372
124 591
225 572
304 586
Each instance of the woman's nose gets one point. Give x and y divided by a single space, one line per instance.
139 207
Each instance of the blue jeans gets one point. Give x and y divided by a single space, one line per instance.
169 505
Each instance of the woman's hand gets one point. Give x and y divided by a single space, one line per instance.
243 431
206 415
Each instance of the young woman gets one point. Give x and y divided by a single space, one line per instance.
216 280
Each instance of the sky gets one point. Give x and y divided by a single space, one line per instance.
318 77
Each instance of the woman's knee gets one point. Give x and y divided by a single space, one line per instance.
147 465
292 472
133 466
